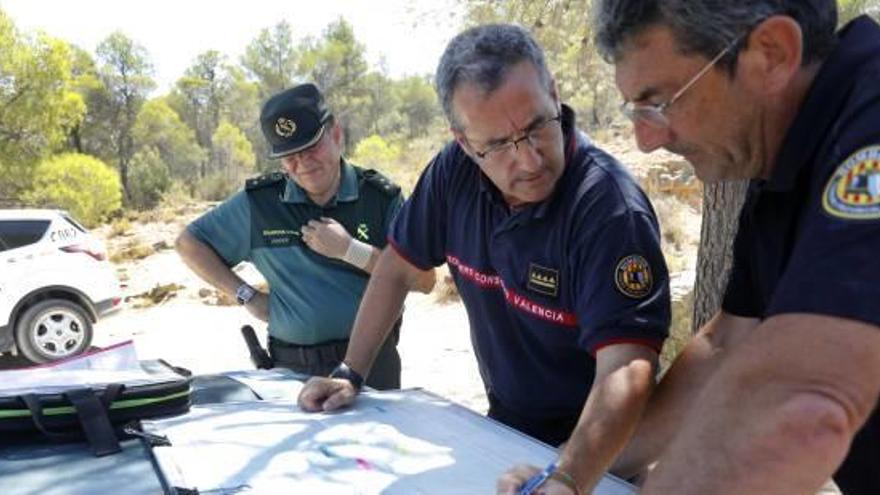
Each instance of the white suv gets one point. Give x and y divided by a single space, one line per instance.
55 282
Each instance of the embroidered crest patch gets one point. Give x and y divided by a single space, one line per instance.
543 280
633 276
853 193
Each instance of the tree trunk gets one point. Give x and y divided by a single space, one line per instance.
722 203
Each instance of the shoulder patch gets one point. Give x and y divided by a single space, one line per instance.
853 192
380 182
263 181
633 276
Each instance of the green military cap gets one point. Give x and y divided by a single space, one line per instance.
293 120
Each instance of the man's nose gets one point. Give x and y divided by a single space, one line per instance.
527 156
651 137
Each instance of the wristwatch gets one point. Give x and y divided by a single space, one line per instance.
244 293
346 373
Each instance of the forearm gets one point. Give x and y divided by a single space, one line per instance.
609 418
379 309
780 413
677 392
202 260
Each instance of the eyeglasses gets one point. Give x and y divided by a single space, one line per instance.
655 115
538 134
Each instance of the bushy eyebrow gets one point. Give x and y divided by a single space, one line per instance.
535 121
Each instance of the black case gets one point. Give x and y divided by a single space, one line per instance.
98 415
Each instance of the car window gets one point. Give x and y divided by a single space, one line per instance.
18 233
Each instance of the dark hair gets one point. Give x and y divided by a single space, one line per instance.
705 27
482 56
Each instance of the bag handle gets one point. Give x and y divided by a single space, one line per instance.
92 413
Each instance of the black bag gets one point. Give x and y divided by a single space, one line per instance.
97 414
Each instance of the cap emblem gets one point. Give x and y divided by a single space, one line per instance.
285 127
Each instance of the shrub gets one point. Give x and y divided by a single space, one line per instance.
217 187
375 152
81 184
149 178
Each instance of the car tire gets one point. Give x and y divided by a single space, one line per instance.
53 329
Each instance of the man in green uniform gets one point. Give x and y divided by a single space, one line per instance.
314 232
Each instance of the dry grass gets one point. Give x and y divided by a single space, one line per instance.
133 250
680 228
680 330
157 295
120 227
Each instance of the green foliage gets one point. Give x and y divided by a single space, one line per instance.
125 73
37 106
336 64
199 95
418 105
562 28
83 185
232 159
242 109
375 152
232 151
272 59
160 129
149 178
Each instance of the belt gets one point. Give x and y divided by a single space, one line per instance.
330 352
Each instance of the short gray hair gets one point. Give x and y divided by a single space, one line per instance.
705 27
482 56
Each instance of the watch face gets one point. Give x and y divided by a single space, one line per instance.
244 294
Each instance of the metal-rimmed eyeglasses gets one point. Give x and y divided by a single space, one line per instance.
537 134
655 115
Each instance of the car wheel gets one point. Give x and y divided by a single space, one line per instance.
52 330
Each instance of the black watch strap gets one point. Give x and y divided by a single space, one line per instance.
345 372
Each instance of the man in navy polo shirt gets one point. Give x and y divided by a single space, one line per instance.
775 393
554 250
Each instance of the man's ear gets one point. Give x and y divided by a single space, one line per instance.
462 141
336 132
773 55
554 92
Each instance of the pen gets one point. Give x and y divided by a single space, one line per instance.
537 480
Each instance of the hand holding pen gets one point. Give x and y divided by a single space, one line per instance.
529 480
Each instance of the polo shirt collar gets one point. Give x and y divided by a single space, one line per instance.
856 43
539 210
348 188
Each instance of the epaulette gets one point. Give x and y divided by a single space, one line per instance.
263 181
380 182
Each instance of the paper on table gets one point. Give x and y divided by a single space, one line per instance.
403 442
116 364
274 384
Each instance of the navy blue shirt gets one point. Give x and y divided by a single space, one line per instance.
809 236
548 285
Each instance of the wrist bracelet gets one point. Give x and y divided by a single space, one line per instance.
566 479
358 254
